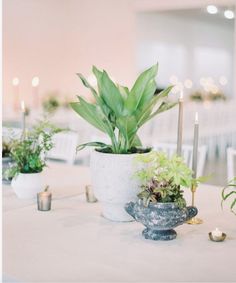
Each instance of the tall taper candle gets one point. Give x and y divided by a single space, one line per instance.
35 94
16 97
23 118
180 125
195 146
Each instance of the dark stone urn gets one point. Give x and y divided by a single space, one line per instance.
160 218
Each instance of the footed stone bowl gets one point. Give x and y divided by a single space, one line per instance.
160 218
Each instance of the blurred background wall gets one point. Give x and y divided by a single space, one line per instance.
54 39
189 44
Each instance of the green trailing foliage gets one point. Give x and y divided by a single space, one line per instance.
229 192
120 112
163 177
28 153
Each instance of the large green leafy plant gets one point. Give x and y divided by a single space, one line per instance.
162 178
120 112
28 153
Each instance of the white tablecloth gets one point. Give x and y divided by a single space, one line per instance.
73 243
64 181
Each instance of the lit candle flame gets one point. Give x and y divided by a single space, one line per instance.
35 81
15 82
196 118
181 96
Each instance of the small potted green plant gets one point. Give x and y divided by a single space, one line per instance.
28 153
161 205
119 112
229 193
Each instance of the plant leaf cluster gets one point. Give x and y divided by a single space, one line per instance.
28 153
119 111
163 177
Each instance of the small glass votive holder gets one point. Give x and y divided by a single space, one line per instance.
44 200
90 197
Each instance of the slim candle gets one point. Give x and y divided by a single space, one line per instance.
180 125
195 146
35 95
23 118
16 102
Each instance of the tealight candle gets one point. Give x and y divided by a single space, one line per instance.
35 95
90 197
44 200
23 117
216 233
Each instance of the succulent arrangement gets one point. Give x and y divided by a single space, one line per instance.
28 153
163 178
119 111
228 192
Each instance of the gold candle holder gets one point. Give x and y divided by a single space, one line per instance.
194 220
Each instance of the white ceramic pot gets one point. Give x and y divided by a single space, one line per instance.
114 183
26 186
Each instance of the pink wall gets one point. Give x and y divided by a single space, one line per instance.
54 39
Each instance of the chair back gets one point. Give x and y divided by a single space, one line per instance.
231 169
11 133
64 147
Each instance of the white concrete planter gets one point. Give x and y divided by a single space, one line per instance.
26 186
114 183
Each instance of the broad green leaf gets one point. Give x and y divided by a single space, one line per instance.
87 84
127 126
99 100
109 92
163 107
93 144
148 93
138 90
136 142
98 74
89 113
124 91
143 115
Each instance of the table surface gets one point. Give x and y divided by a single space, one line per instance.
74 243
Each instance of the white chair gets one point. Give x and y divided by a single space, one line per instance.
187 153
64 147
231 155
11 133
